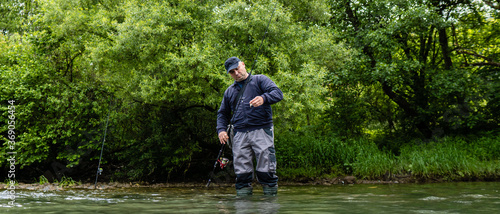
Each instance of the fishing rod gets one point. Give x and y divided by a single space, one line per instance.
99 170
219 159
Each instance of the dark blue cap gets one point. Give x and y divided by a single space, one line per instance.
231 63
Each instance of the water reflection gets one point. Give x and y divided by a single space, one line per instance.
264 204
249 204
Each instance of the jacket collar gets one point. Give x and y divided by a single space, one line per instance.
235 84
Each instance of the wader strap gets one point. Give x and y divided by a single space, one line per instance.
240 94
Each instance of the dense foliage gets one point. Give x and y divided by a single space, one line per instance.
362 80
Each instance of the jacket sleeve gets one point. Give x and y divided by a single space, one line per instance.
272 94
224 114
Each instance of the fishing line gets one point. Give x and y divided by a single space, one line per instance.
99 170
263 38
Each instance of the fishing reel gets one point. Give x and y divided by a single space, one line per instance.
223 162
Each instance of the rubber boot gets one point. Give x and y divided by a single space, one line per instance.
270 190
245 191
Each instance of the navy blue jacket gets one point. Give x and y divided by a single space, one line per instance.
249 118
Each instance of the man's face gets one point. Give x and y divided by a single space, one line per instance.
240 73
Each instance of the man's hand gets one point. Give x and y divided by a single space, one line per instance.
223 137
257 101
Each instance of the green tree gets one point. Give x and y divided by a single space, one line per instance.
17 16
405 49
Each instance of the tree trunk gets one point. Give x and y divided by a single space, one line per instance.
443 40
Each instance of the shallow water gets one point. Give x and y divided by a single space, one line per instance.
478 197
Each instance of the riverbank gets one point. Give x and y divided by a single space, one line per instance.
346 180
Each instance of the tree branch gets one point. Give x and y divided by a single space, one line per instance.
486 63
351 16
492 4
473 53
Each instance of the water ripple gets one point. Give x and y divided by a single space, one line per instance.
433 198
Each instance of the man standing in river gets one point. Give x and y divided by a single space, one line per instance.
252 120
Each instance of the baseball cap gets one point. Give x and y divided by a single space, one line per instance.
231 63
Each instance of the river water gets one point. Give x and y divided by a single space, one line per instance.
476 197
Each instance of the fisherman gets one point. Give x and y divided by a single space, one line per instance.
252 120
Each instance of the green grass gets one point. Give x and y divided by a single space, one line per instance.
7 182
66 181
371 163
43 180
449 158
452 158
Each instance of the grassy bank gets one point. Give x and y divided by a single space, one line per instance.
446 159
